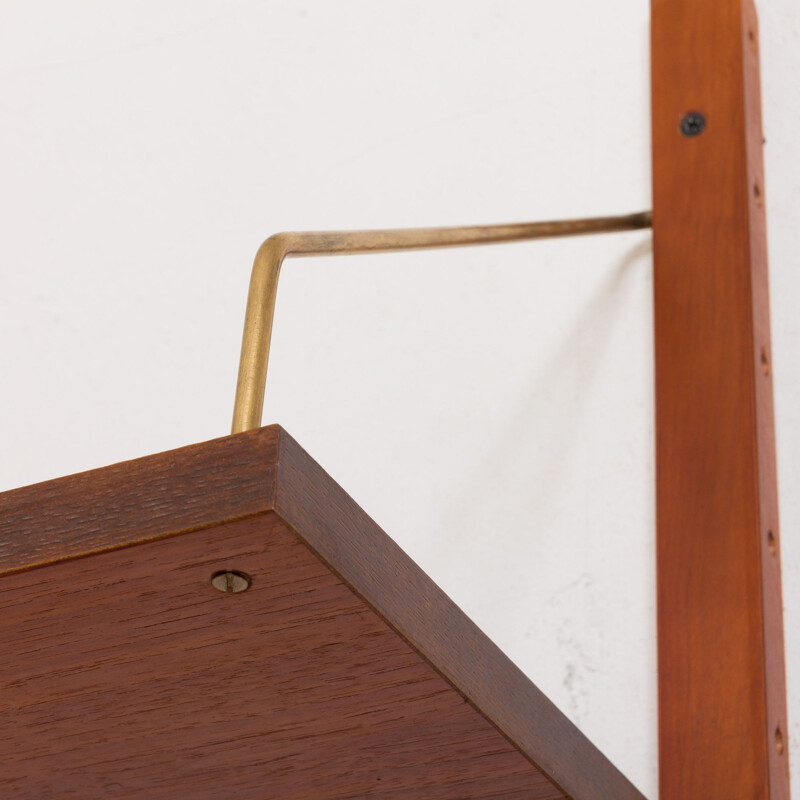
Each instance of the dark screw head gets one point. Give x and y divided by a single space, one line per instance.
693 124
230 582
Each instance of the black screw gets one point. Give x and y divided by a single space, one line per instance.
693 124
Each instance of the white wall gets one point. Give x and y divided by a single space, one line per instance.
490 408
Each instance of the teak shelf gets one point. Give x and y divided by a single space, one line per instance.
343 671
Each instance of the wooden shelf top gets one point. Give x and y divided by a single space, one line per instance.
342 672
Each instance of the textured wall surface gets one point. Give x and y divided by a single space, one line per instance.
147 149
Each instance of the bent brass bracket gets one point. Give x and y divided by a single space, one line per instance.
264 279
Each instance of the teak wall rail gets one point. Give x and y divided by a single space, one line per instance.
722 699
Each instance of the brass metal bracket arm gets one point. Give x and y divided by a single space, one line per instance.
264 279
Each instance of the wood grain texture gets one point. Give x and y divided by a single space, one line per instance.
135 501
721 664
343 672
130 677
369 561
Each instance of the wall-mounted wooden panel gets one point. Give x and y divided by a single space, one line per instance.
722 708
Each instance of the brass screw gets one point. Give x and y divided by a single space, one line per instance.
230 582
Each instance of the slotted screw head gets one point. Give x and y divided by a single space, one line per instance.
230 582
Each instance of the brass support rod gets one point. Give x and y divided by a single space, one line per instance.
264 279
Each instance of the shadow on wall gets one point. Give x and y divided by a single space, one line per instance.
539 408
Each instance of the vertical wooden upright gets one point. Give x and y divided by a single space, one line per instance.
722 706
